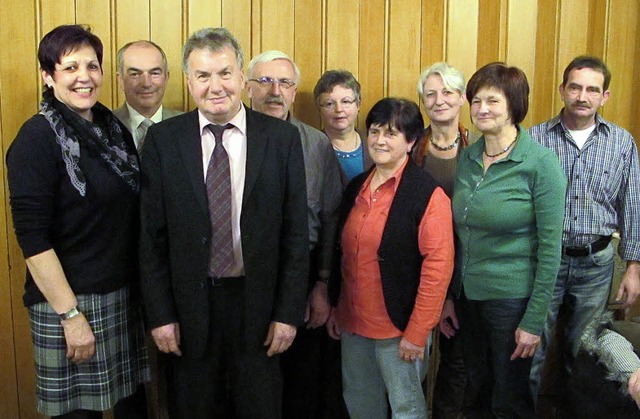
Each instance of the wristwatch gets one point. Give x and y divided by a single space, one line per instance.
69 314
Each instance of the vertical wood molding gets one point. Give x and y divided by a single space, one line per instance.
309 60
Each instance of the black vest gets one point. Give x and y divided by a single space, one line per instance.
398 255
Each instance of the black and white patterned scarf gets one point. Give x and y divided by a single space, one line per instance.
71 129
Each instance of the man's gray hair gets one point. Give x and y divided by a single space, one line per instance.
269 56
121 51
452 78
214 40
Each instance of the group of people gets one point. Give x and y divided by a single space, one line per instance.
234 234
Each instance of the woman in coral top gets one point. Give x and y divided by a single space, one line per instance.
396 257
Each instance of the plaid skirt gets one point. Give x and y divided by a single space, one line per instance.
119 365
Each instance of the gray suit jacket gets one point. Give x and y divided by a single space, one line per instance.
122 113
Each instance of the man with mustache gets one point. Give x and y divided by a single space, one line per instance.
309 390
143 74
600 160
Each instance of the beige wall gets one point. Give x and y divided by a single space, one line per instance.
385 43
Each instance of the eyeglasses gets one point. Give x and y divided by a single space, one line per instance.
266 81
344 102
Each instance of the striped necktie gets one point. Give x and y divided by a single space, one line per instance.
218 181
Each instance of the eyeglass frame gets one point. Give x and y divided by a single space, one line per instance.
331 105
266 80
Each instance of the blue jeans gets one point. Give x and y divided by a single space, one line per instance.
582 288
496 385
371 370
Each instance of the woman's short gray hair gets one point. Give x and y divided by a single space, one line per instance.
451 77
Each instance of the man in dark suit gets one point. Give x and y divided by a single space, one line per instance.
222 299
143 74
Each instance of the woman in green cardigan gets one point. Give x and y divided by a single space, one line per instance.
508 207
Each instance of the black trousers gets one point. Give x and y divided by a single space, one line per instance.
233 379
312 377
451 381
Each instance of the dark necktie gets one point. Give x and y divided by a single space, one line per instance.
141 131
218 182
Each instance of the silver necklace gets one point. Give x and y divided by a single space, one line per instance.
447 148
504 150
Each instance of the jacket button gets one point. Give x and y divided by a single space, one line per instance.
204 240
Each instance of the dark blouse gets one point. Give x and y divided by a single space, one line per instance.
94 237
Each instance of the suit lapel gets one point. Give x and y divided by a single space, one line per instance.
256 146
189 142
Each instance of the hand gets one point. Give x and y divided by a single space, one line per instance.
318 307
333 329
630 284
634 386
448 319
526 344
279 337
409 352
167 338
81 343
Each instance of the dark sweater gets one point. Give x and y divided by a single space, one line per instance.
399 254
94 237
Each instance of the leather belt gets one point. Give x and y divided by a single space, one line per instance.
225 280
589 249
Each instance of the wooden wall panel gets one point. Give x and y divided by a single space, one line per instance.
342 34
621 63
598 22
167 31
545 82
434 32
20 95
277 19
56 12
404 48
372 53
308 57
521 36
385 43
98 12
236 16
462 42
492 24
572 39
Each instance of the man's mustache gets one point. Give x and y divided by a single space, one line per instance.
275 99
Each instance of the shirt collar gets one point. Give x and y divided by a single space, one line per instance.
394 179
556 123
239 120
136 117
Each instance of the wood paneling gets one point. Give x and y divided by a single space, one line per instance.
342 34
309 60
385 43
404 45
545 82
521 36
163 17
621 61
372 52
